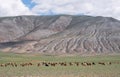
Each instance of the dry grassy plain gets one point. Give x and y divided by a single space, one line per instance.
97 70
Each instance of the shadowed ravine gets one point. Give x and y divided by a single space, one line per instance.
60 34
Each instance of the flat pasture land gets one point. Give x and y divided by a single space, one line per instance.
110 69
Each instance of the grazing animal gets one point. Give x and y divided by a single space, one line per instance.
63 64
109 63
15 64
46 64
89 64
84 64
77 63
22 65
2 65
93 63
70 63
38 64
101 63
53 64
30 64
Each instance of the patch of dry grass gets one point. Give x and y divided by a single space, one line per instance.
58 71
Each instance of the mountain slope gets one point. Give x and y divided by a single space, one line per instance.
60 34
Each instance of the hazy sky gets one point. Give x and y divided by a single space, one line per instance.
109 8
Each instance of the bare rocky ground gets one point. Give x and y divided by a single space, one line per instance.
60 34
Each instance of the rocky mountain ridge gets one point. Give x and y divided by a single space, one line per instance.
60 34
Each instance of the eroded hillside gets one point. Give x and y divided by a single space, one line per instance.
60 34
